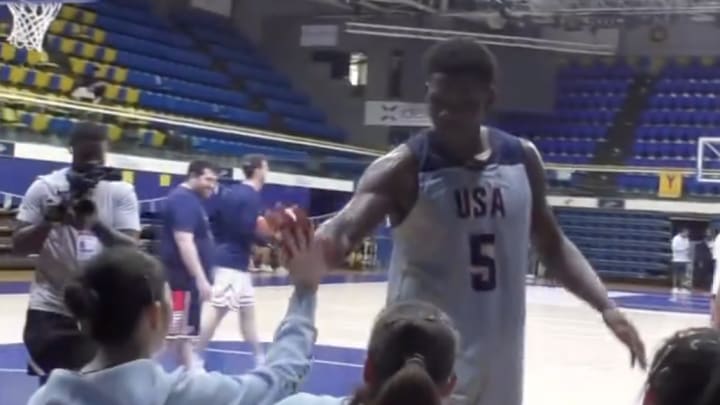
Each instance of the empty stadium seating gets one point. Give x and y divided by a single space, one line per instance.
683 107
620 243
587 99
137 56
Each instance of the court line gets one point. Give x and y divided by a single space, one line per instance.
319 361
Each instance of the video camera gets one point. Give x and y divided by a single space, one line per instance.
82 181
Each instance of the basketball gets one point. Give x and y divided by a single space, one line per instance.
285 218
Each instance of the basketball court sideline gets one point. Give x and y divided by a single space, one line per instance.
570 358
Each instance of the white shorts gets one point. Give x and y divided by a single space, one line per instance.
716 280
232 289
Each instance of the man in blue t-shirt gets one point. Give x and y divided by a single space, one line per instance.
236 211
187 252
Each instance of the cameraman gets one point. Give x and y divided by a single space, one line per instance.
66 217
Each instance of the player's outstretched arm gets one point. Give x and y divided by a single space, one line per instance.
386 189
565 262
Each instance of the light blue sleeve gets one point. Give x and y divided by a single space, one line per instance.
287 363
309 399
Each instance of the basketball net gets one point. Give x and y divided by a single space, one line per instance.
30 23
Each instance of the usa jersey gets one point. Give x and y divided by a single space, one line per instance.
464 247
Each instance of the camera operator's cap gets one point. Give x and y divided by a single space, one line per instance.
88 131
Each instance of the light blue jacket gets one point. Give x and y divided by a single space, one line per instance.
309 399
144 382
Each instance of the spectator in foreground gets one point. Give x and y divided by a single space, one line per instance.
686 370
122 300
410 360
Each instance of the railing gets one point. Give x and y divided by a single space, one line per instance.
11 95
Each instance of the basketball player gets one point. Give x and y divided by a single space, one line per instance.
235 217
187 253
64 240
465 200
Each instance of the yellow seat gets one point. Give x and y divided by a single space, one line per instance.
89 50
66 84
17 74
78 65
112 91
114 132
36 57
133 96
9 115
67 45
42 79
40 122
7 52
158 138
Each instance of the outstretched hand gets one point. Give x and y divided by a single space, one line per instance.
302 255
626 332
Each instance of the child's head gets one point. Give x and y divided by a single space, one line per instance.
120 298
411 356
686 370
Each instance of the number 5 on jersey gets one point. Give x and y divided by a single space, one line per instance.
482 262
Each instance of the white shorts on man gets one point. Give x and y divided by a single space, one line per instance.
232 289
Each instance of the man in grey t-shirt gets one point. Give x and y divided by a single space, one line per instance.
64 238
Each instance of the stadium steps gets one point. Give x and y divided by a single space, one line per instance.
621 135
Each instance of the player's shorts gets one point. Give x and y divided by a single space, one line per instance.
232 289
680 267
55 341
185 315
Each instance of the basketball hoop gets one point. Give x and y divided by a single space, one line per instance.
31 20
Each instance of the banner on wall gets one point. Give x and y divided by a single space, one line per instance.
222 7
670 185
396 114
318 35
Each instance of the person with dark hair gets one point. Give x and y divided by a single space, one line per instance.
686 370
409 360
66 217
187 251
465 201
122 300
236 213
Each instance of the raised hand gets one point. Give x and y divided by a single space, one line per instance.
302 255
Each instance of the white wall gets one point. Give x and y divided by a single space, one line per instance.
684 38
600 37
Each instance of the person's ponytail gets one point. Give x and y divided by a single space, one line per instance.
410 385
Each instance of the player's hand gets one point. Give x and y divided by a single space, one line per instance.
628 335
302 256
204 288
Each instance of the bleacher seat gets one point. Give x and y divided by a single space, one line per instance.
681 109
138 55
587 99
612 240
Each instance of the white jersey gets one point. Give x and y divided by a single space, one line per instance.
464 247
